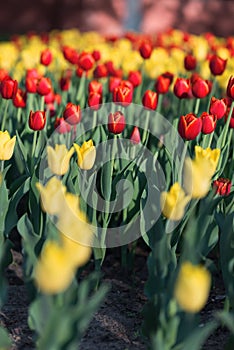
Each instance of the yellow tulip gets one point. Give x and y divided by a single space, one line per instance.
198 172
173 203
53 272
52 196
86 154
59 158
192 287
7 145
73 223
78 254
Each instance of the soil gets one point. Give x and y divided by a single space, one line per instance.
117 324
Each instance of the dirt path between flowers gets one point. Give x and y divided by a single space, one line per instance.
117 323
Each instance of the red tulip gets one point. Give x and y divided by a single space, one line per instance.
208 123
72 113
201 88
44 86
61 126
169 76
222 186
96 55
65 83
135 78
230 87
189 126
135 135
145 50
86 61
31 85
8 88
37 120
100 71
217 107
49 98
190 62
19 100
116 122
113 83
3 74
94 100
70 54
46 57
150 99
112 71
122 95
182 88
162 84
217 65
95 86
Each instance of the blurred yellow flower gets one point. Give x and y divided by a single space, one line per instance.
7 145
198 172
59 158
78 254
86 154
173 203
52 196
53 272
192 287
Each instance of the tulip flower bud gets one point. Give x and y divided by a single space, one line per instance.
49 98
70 54
19 100
3 74
162 84
72 113
190 62
122 95
31 85
169 76
65 83
116 122
208 123
222 186
217 65
201 88
44 86
135 78
37 120
112 71
135 135
100 71
192 287
113 83
94 100
86 61
59 159
145 50
182 88
95 86
86 154
150 99
8 88
217 107
61 126
7 145
230 88
96 55
189 126
46 57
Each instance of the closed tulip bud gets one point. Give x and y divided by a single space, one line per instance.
65 83
50 97
113 83
70 54
31 84
86 155
116 122
192 287
217 65
230 88
3 74
7 145
150 99
19 100
44 86
208 123
72 113
174 202
162 84
112 71
169 76
145 50
135 78
100 71
94 100
96 55
61 126
217 107
122 95
189 126
46 57
86 61
190 62
78 254
59 159
222 186
37 120
8 88
52 196
33 73
135 136
200 88
95 86
182 88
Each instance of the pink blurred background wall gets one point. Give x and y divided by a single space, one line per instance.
113 16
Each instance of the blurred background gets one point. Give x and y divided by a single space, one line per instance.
117 16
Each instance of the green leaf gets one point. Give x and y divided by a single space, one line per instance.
4 205
5 342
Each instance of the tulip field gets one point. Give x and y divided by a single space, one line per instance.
118 144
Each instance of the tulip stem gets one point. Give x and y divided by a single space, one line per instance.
197 105
18 117
94 119
144 137
226 126
42 103
182 162
81 89
2 166
34 143
160 100
5 115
